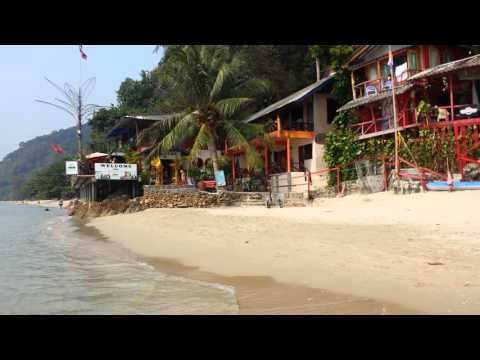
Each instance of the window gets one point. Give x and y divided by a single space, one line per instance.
412 60
372 72
447 56
305 152
434 56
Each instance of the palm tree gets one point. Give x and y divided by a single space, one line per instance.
212 95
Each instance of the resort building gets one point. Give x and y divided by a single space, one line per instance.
299 125
125 134
445 78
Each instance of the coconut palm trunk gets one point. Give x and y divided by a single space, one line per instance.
212 147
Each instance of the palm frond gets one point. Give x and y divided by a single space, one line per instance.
219 81
229 107
236 138
183 129
201 140
160 129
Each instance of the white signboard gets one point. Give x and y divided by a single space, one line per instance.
71 167
105 171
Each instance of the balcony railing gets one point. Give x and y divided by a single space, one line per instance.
408 119
373 87
380 124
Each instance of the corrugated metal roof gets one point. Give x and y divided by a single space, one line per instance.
447 67
372 98
128 122
299 95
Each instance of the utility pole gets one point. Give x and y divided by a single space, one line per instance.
79 125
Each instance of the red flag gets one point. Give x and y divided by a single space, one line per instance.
82 54
57 149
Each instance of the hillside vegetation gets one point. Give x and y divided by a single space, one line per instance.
32 157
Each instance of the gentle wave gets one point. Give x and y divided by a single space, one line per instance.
49 267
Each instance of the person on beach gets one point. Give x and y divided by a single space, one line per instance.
60 204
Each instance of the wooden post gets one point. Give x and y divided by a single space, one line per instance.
136 132
279 125
234 175
450 87
379 75
372 114
385 176
338 179
414 100
457 146
353 85
289 156
265 159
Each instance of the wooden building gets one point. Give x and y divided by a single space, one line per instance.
445 77
301 121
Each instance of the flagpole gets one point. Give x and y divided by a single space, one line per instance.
79 123
395 118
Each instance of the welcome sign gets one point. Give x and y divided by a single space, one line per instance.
106 171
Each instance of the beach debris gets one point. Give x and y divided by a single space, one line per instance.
246 242
435 263
467 284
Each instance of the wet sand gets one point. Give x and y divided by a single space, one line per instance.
262 295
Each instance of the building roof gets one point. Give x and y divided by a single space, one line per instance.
367 53
372 98
297 96
448 67
132 121
95 155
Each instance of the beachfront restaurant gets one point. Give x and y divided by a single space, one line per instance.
165 168
101 176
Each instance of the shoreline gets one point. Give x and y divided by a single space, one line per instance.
262 295
418 251
42 203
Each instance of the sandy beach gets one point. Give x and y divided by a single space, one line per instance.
410 254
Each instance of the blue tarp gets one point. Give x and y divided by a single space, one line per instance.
457 185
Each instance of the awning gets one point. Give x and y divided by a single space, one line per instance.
372 98
448 67
297 96
95 155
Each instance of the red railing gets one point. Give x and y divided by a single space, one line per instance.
371 126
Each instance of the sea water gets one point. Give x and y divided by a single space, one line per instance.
48 266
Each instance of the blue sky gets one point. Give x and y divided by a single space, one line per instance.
22 79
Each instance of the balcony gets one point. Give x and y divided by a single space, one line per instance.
374 87
385 125
293 130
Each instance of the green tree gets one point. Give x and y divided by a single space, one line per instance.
50 183
333 57
211 95
138 95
